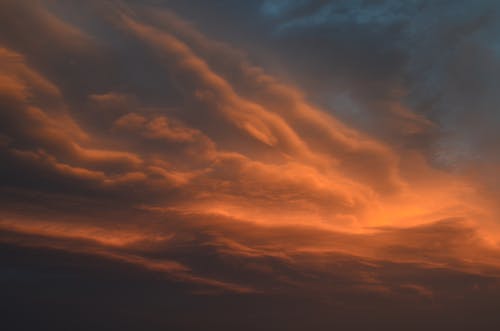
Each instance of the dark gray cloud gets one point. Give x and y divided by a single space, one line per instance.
439 59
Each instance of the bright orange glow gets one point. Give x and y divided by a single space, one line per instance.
248 168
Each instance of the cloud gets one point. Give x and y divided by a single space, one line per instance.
196 164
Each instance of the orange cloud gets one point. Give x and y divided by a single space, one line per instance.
244 168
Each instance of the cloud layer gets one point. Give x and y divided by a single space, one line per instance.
128 135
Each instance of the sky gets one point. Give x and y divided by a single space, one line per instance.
249 165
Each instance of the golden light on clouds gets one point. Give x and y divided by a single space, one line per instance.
239 183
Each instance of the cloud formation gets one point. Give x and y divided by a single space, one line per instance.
176 155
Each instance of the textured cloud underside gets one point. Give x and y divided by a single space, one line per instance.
150 144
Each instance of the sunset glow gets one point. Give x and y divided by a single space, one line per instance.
249 165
